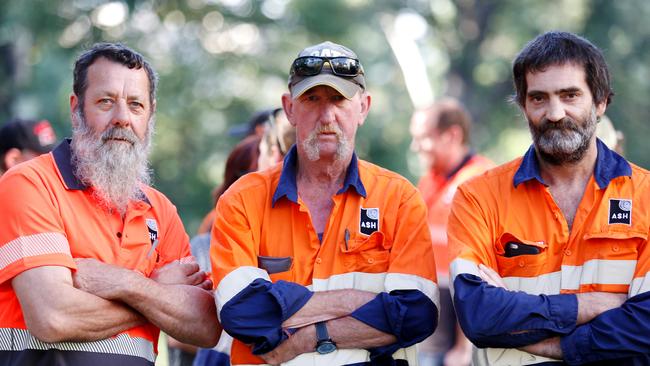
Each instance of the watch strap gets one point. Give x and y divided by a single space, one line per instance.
321 332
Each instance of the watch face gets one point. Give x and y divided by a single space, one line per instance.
325 347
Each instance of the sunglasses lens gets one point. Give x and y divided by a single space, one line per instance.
344 66
307 66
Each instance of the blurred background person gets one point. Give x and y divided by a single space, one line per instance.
241 160
24 139
613 138
279 135
441 138
256 125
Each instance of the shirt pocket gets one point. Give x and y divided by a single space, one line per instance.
520 257
369 254
278 268
612 260
616 245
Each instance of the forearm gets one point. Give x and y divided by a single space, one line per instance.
496 317
328 305
185 312
345 332
59 312
547 348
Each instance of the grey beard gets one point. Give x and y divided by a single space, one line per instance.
563 142
115 170
311 148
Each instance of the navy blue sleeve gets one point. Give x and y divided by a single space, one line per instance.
495 317
623 332
256 313
409 315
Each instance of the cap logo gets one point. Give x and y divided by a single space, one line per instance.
44 132
326 52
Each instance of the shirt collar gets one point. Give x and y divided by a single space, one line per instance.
609 165
63 159
64 162
465 160
288 188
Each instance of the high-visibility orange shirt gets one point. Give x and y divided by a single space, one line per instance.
438 191
508 220
48 218
376 239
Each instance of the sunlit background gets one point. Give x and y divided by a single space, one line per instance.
221 60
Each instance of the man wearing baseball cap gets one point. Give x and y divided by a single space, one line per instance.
325 259
24 139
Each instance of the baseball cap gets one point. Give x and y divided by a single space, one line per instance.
347 86
38 136
248 128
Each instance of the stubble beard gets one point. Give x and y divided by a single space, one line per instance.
565 141
115 170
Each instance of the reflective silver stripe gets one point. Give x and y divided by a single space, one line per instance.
461 265
372 282
123 344
31 246
401 281
598 271
548 284
639 285
505 357
344 357
234 282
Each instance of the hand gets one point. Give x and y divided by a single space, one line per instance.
592 304
98 278
177 273
458 356
549 347
303 341
490 276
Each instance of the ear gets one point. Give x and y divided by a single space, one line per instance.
366 100
287 105
74 103
455 134
12 157
600 108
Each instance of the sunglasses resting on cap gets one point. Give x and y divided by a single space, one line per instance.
343 72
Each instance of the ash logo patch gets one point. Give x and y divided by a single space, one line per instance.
152 225
368 220
620 211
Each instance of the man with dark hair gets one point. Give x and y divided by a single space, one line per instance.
325 259
93 261
552 261
24 139
441 138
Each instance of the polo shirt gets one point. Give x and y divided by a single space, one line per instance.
508 220
48 218
267 260
438 191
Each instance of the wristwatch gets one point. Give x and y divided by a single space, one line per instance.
324 344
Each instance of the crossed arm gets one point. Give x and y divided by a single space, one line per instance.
334 307
101 300
590 305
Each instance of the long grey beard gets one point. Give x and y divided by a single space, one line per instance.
115 170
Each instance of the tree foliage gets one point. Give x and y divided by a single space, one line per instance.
220 60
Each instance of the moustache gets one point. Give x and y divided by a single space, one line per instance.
121 134
565 123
